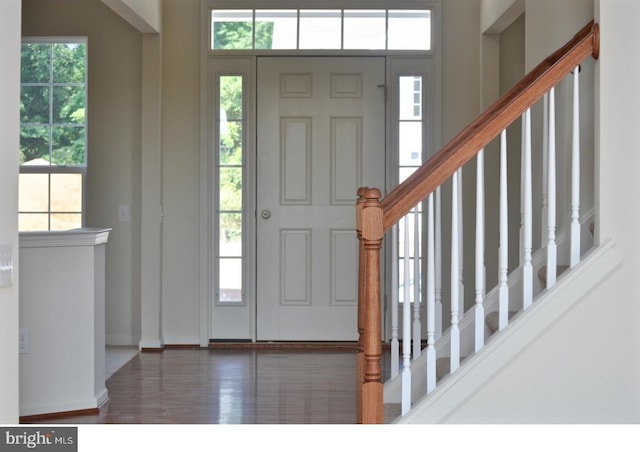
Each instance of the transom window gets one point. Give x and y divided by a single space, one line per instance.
321 29
53 157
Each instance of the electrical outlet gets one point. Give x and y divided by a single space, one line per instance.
23 343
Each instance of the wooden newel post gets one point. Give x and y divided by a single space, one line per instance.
372 231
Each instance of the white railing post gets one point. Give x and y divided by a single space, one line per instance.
438 264
406 324
552 251
544 218
417 286
455 274
527 270
575 172
479 261
431 299
460 248
522 190
395 288
503 256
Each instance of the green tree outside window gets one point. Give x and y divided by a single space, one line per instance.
52 103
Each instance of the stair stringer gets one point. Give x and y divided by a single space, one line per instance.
502 349
393 387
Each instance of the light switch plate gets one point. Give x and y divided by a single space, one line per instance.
123 214
6 265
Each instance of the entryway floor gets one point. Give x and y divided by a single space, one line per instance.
117 356
232 386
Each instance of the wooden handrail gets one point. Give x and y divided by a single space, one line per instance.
487 126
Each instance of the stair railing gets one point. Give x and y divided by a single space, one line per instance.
376 215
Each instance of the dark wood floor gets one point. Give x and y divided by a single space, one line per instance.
231 386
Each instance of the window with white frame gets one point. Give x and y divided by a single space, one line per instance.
53 134
321 29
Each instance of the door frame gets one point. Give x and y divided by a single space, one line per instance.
210 61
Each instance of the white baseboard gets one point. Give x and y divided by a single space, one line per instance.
89 404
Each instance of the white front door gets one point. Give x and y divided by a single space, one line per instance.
320 136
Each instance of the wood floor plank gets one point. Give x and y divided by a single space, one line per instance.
231 386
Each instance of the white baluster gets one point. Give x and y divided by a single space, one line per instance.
431 298
527 270
406 325
438 265
395 295
522 147
479 262
544 218
552 251
503 256
455 274
460 248
417 327
575 172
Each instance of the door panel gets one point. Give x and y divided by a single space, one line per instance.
320 136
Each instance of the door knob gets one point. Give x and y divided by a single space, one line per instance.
265 214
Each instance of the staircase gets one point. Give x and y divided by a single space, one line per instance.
393 387
488 370
481 339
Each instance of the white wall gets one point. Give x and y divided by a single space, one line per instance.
151 195
145 15
181 171
460 65
551 23
618 163
585 368
9 133
114 142
496 15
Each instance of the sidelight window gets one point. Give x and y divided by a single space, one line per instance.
410 157
230 170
